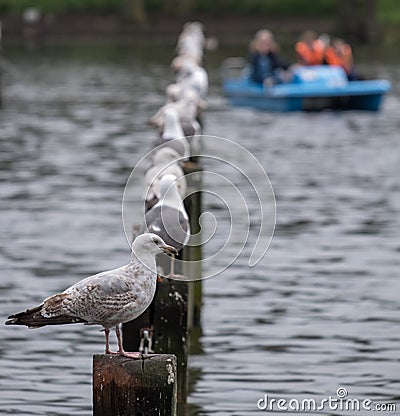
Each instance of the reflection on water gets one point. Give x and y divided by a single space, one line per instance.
320 311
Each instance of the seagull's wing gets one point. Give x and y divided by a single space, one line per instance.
169 223
96 298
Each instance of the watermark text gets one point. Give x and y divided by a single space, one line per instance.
340 402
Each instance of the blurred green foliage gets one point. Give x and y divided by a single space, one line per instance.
270 7
60 6
388 10
275 7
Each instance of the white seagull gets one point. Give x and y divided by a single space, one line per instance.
165 162
172 134
168 218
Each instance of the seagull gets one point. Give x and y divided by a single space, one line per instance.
188 105
165 162
108 298
172 128
190 75
174 93
168 218
188 108
172 134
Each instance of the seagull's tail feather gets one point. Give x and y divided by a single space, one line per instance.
34 319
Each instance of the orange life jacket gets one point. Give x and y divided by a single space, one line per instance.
310 55
342 57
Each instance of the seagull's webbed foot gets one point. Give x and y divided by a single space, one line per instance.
175 276
112 353
123 353
134 355
109 352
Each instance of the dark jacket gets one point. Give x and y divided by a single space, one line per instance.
263 66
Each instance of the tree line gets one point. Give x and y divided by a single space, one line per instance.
356 19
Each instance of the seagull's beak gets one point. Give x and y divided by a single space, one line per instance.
169 250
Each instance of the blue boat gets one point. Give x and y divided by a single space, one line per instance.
312 88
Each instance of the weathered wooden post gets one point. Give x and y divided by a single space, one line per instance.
166 318
170 331
192 253
176 307
1 68
128 387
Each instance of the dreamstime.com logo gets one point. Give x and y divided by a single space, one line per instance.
236 180
341 403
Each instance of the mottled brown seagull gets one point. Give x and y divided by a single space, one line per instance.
108 298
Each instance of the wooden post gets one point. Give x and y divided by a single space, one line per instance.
132 331
176 305
167 319
1 67
170 331
193 205
127 387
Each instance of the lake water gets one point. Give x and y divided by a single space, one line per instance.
319 312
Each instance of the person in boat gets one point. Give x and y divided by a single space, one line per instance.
310 49
266 65
339 53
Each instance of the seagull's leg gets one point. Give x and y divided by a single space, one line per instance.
107 334
172 274
121 350
172 266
